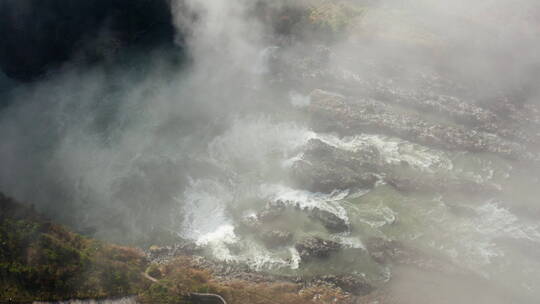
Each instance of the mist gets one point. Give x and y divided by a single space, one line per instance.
361 122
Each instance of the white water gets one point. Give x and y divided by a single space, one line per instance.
393 150
257 154
306 200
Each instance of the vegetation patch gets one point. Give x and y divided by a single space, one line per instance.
182 277
43 261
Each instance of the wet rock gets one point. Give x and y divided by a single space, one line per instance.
364 157
272 211
276 238
250 223
329 220
324 168
325 178
349 283
315 247
331 112
275 209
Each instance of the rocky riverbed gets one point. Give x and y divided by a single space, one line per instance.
288 152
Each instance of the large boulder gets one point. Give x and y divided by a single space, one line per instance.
324 168
276 209
316 248
329 220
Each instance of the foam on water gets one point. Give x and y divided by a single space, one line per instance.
218 242
217 233
246 251
295 258
393 150
201 199
494 222
260 145
376 217
497 221
472 240
259 258
306 199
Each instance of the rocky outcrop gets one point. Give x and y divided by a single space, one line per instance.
275 209
324 168
331 112
330 221
323 177
432 94
316 248
272 211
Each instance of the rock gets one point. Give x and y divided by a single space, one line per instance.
273 210
276 238
250 223
315 247
349 283
324 168
331 112
329 220
323 177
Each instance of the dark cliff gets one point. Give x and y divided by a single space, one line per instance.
38 35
